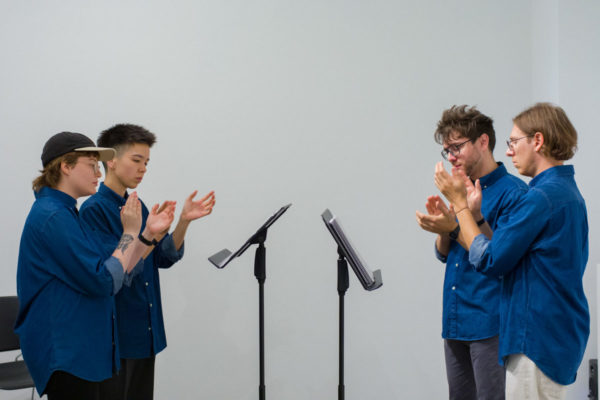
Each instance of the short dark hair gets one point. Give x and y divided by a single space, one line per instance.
560 136
122 135
468 121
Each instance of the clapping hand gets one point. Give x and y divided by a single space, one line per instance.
197 209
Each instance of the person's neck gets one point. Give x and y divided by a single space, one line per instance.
65 188
486 166
545 163
115 185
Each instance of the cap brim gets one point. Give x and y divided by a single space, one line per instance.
104 153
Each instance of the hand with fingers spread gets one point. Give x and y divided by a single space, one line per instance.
131 215
192 210
159 220
440 219
452 186
197 209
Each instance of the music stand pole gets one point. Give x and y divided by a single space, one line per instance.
261 274
342 286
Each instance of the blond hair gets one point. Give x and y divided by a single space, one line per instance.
560 136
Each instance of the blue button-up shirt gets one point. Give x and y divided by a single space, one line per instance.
471 300
139 308
541 251
65 286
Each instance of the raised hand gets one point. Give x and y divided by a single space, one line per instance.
131 215
159 221
440 219
451 186
197 209
473 196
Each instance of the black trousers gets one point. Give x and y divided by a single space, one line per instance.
64 386
135 381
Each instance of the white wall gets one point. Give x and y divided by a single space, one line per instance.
579 94
319 103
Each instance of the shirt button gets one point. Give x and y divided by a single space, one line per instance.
456 265
146 283
485 186
150 304
149 328
453 287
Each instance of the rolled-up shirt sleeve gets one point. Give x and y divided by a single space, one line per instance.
128 276
167 254
439 255
477 250
115 268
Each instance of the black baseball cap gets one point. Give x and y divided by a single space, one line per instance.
66 142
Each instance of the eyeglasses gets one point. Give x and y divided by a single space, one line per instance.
454 149
511 142
94 166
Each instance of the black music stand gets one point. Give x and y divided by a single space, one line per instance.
223 257
369 280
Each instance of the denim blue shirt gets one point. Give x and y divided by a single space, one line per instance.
65 286
471 300
139 308
541 252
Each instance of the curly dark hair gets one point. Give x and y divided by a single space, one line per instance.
469 122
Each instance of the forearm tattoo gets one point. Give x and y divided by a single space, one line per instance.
124 243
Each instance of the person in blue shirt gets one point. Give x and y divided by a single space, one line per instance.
540 253
470 316
138 307
65 283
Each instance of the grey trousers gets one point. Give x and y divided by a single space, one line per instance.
473 370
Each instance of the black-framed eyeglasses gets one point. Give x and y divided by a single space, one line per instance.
454 149
511 142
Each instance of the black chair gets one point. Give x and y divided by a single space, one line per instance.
14 374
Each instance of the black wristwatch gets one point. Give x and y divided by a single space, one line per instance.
454 234
146 241
481 221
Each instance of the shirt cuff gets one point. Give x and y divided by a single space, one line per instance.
439 255
477 250
128 277
115 268
168 250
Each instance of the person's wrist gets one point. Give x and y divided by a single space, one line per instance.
184 221
129 232
146 239
460 204
147 233
477 216
454 233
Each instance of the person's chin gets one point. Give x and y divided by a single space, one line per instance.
460 167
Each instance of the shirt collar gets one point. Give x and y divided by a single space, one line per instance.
110 194
553 172
492 177
58 195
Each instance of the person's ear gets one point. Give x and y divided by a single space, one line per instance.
65 168
112 164
538 141
484 139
